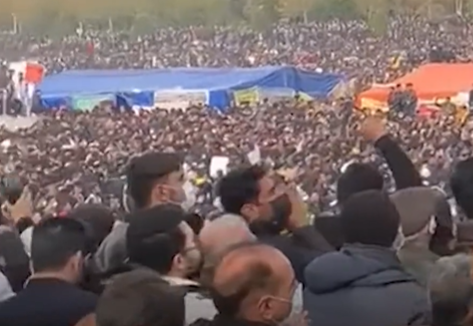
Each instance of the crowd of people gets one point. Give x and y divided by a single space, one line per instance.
322 216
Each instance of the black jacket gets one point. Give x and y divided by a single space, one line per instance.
300 247
404 174
47 302
14 262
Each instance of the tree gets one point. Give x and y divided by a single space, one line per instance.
261 14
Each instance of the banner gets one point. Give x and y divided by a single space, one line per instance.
179 99
274 95
245 96
88 102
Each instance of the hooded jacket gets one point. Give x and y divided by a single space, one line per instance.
363 286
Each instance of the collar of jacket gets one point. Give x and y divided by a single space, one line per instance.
177 281
221 320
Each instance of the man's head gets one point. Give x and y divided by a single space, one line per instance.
140 298
451 290
254 194
58 247
160 239
218 236
425 217
370 218
356 178
98 219
461 182
156 178
256 282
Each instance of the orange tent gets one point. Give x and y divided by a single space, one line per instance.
431 81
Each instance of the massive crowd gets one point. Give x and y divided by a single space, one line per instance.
98 215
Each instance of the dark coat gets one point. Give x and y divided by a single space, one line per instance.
300 247
404 174
363 286
47 302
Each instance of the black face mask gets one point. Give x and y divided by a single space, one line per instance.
282 209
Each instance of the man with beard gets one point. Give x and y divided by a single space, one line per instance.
159 239
270 209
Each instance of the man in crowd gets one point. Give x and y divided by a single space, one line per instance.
450 290
359 177
269 208
253 284
462 190
159 239
58 249
426 229
153 179
140 297
364 283
216 237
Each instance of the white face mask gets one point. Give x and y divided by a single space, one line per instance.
190 195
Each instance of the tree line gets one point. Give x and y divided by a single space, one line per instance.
65 15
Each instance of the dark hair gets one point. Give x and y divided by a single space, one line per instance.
370 218
154 238
358 177
158 251
146 170
97 218
461 183
54 241
140 298
240 187
140 188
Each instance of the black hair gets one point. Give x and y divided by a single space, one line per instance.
370 218
240 187
358 177
97 218
140 298
146 170
54 241
140 188
154 237
157 251
461 183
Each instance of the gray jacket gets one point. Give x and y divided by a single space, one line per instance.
112 251
363 286
417 260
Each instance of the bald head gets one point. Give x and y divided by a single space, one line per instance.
248 269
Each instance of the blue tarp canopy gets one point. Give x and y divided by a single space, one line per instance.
214 86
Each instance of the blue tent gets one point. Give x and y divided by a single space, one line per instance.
212 86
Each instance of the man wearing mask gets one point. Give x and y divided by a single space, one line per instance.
244 295
271 208
152 179
159 239
50 296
